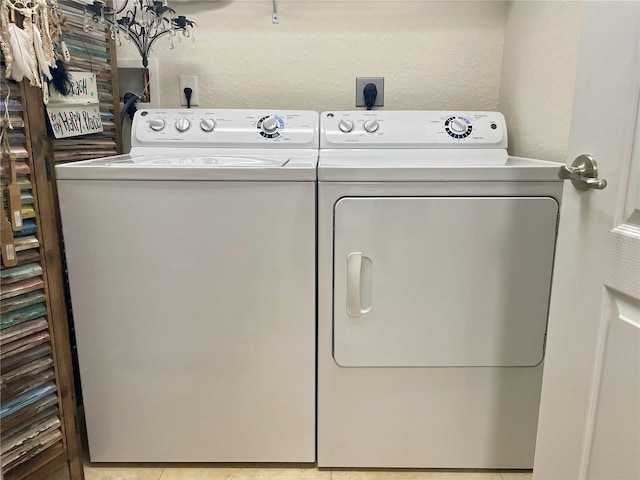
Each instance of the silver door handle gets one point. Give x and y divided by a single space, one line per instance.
583 173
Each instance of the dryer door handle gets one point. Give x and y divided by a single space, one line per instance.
354 270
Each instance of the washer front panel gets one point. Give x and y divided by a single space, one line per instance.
194 308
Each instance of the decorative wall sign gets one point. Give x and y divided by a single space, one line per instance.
79 112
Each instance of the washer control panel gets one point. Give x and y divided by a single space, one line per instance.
412 129
225 128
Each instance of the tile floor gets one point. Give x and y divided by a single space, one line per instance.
287 472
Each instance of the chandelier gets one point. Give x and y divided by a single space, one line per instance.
141 22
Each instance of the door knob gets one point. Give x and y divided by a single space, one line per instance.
583 173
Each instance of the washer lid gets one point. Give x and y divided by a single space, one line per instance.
446 165
225 165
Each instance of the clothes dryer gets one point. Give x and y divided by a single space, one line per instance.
192 271
435 256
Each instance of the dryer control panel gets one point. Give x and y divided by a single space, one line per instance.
186 128
412 129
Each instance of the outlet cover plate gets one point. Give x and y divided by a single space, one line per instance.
360 84
190 81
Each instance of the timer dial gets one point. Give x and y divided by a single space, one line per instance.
157 124
183 124
269 126
458 127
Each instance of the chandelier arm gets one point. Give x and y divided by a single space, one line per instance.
120 9
141 21
129 31
161 34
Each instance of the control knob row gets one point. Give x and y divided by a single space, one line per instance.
182 124
370 126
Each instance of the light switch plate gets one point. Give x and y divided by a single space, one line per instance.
190 81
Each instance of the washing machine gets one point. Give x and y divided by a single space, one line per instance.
435 256
191 266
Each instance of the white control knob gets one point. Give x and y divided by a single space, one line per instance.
270 124
371 126
157 124
207 124
458 125
345 126
183 124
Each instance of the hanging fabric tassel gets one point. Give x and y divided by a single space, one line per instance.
60 78
46 38
43 63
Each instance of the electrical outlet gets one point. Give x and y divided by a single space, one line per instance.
360 84
190 81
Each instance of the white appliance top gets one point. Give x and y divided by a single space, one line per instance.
410 146
211 144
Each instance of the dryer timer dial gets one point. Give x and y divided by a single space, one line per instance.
458 127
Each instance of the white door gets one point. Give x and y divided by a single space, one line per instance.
467 287
589 425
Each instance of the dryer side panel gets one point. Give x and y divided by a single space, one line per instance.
442 281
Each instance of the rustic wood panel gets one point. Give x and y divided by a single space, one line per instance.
48 465
39 147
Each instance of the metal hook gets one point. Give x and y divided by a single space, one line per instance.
274 17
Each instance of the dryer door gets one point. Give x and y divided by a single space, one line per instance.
442 281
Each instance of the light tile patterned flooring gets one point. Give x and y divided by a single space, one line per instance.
288 472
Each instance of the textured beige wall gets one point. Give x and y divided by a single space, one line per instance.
538 76
516 57
433 55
